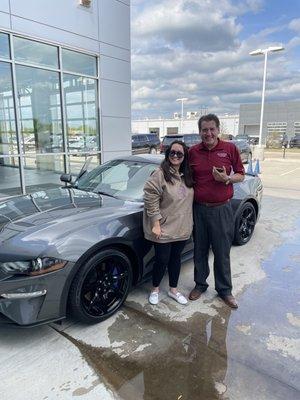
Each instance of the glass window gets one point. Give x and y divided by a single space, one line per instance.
9 176
81 112
43 171
77 62
35 52
4 46
40 110
76 162
8 139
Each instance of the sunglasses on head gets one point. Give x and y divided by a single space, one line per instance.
178 154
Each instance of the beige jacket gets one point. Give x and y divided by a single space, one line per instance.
171 204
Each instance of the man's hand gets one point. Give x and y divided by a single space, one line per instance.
156 230
220 176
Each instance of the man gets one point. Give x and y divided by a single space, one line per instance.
216 165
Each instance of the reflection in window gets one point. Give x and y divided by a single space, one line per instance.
76 162
77 62
39 105
81 112
4 46
9 176
35 52
8 140
43 171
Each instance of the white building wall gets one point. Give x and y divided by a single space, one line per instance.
229 124
103 29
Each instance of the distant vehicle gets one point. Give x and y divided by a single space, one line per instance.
244 149
253 140
145 143
242 137
82 144
188 138
295 141
276 140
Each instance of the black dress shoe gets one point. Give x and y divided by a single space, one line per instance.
230 301
195 294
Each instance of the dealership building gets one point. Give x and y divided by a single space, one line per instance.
64 88
281 116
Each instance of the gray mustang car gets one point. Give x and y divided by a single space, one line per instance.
78 249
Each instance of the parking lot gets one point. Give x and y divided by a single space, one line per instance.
199 351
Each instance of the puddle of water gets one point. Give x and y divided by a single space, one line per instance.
186 360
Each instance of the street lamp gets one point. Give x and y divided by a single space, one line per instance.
264 52
182 99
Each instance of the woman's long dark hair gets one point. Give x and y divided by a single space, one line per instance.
184 166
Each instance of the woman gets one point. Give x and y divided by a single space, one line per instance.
168 220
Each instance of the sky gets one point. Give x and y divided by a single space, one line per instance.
199 49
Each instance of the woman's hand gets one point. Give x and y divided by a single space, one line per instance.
156 230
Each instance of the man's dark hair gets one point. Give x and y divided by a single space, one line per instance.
184 166
207 118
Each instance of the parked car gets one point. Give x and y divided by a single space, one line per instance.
78 249
82 144
145 143
188 138
276 140
253 140
244 138
244 149
295 141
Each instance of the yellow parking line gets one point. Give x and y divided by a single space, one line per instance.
285 173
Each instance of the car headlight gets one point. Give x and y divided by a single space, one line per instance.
38 266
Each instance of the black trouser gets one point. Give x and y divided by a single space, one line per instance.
213 226
167 255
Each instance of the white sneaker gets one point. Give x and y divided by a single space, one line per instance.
178 297
153 298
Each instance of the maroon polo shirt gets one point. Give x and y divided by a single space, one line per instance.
202 161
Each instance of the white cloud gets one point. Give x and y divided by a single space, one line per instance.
193 48
295 25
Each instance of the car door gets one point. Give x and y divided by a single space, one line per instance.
144 146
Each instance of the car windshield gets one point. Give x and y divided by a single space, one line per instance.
118 178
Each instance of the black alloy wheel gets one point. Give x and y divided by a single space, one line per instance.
101 286
244 224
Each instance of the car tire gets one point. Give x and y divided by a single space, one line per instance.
244 224
101 286
152 150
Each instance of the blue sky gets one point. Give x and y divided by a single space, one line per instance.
199 49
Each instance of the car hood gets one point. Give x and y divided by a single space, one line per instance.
51 214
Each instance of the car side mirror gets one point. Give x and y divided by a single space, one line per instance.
66 178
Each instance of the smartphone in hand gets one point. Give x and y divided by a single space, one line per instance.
219 169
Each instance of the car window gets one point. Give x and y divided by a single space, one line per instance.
119 178
169 139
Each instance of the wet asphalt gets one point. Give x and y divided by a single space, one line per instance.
200 351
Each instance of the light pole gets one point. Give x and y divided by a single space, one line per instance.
182 99
264 52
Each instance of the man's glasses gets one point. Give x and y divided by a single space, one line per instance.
178 154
